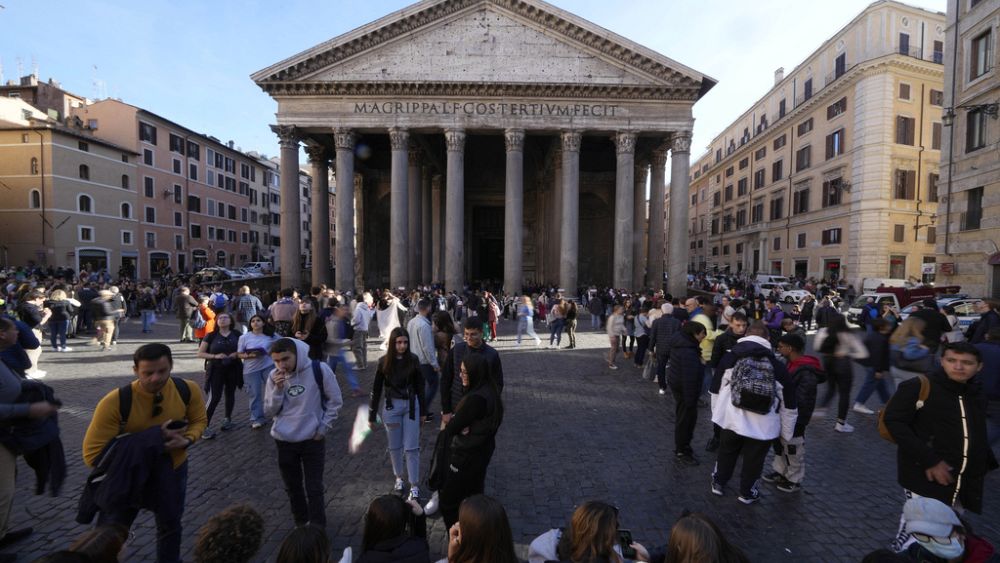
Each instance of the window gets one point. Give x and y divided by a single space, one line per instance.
35 199
897 267
898 233
975 130
904 91
245 237
715 225
244 214
147 157
232 235
833 192
729 171
931 235
84 172
739 248
973 215
779 142
835 144
245 187
211 233
716 199
84 204
178 219
150 215
777 243
800 201
179 242
177 166
147 133
715 251
808 89
232 212
193 150
192 171
34 166
982 55
148 187
125 182
805 127
781 109
211 207
831 236
932 187
176 144
127 238
803 159
195 231
840 66
194 204
744 163
759 179
177 193
905 184
125 158
741 187
800 240
741 218
837 108
937 98
82 145
904 44
150 240
760 154
905 127
936 136
777 208
126 211
729 192
209 157
757 211
776 170
725 250
86 234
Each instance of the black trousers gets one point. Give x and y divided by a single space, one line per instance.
302 463
685 418
661 370
221 382
840 375
464 480
731 446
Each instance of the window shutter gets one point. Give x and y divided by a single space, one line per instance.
911 184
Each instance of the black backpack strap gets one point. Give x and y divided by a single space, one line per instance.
318 375
124 406
182 389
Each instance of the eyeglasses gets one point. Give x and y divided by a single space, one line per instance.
157 408
463 371
925 538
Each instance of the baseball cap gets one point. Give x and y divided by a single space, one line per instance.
929 516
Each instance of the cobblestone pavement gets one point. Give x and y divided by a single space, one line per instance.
574 430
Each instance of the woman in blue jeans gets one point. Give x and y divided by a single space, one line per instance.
254 349
398 375
62 311
526 321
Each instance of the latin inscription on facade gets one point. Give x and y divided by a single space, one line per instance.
483 108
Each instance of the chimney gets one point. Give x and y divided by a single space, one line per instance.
231 144
779 75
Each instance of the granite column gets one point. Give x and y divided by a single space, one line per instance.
513 247
399 140
680 188
624 207
291 244
454 240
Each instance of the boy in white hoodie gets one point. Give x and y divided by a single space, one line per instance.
304 398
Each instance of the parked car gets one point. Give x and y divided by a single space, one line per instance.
264 268
216 274
794 295
243 272
965 309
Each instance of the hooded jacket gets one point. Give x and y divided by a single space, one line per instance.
990 374
743 422
685 369
804 372
297 408
950 425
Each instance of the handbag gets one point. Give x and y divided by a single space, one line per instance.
649 368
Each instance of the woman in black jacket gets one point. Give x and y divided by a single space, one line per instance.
470 437
62 311
309 328
395 532
685 378
223 369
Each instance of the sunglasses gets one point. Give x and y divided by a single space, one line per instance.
157 407
925 538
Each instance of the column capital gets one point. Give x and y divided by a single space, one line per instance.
640 170
514 140
659 156
399 139
681 142
318 154
571 141
455 139
344 139
288 136
625 142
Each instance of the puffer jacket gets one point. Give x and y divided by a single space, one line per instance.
685 369
804 373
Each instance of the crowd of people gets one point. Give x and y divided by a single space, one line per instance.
743 356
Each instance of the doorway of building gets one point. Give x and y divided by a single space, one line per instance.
801 268
158 264
93 260
487 243
831 269
130 266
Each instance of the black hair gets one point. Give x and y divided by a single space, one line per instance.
794 341
836 325
386 518
305 544
739 316
994 334
287 292
693 328
424 304
283 345
152 352
962 348
879 323
473 323
268 329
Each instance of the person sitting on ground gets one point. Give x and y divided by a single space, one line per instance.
591 537
695 538
938 535
395 531
482 533
98 545
231 536
305 544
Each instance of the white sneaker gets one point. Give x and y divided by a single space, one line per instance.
663 391
66 349
414 493
860 408
432 505
398 487
819 413
843 427
37 374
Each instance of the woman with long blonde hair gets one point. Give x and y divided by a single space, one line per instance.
907 351
526 321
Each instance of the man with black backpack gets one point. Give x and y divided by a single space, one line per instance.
755 397
138 438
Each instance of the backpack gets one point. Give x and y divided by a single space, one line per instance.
925 391
318 375
147 302
219 303
197 320
753 384
125 400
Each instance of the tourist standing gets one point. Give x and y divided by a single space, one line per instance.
223 370
253 349
245 306
307 327
572 312
557 324
184 307
684 376
421 335
103 312
62 311
281 312
361 321
616 334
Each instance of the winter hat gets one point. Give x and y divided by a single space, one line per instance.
929 516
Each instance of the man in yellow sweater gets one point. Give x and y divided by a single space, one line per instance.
157 400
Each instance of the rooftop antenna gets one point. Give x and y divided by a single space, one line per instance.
100 89
1 68
34 66
20 68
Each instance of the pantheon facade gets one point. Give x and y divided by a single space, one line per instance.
487 140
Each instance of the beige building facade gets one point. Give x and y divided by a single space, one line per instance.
968 252
834 173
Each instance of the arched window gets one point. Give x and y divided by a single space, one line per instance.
34 166
84 204
125 183
126 210
35 199
220 258
84 172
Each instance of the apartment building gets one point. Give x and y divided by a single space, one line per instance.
833 173
968 252
69 198
47 97
194 191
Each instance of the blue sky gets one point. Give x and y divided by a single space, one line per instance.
190 61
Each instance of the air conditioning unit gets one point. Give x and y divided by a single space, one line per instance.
167 194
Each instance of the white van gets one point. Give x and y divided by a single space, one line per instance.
258 267
762 278
870 285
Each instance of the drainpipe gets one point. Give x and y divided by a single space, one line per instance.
920 162
41 173
951 133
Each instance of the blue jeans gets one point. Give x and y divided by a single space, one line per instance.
871 384
168 525
404 437
993 421
707 380
525 325
57 333
431 383
555 332
147 320
340 356
255 382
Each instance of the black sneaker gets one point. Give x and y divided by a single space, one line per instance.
773 477
713 445
686 459
717 488
789 487
753 497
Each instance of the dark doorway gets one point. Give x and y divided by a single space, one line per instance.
802 269
487 243
489 260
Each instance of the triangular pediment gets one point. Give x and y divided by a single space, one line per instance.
526 42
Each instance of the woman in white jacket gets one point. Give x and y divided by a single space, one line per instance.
838 347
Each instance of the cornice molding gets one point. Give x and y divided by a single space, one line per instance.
480 90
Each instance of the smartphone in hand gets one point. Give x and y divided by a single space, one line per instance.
177 425
625 541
